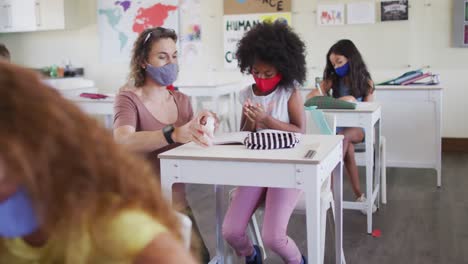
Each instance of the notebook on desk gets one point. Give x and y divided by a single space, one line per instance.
233 138
417 78
282 138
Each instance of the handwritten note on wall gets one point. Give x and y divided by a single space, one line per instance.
361 13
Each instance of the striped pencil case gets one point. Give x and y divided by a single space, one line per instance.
271 140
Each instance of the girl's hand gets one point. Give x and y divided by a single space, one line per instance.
257 113
249 115
246 111
248 103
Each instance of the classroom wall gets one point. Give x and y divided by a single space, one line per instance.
389 49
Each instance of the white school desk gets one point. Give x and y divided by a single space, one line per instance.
286 168
103 107
366 115
412 126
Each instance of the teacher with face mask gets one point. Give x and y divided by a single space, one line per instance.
149 117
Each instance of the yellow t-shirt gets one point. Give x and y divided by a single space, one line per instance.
117 240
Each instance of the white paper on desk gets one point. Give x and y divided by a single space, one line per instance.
230 138
361 13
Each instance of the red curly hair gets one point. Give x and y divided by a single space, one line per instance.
66 161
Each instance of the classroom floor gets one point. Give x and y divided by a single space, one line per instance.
419 224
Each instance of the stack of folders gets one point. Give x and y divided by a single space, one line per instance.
417 77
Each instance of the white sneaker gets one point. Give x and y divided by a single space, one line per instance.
363 199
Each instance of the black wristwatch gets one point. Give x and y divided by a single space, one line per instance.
167 131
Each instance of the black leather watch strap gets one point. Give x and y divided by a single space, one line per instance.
167 131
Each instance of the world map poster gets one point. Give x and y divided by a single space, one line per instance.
120 22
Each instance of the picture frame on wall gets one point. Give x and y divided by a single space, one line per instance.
394 10
360 13
466 35
466 11
460 23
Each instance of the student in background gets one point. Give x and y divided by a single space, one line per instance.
68 193
149 118
4 53
275 56
348 79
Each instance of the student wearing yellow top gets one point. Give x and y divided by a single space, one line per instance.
68 193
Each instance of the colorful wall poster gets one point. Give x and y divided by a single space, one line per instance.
241 15
190 33
120 22
330 15
235 27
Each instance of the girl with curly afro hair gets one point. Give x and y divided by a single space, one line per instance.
275 56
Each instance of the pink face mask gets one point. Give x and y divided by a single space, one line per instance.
267 85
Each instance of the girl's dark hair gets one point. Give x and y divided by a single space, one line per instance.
358 76
275 44
142 49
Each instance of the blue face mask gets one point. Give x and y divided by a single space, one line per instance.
17 217
343 70
164 75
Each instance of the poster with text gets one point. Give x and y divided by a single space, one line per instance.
330 15
235 27
239 7
394 10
